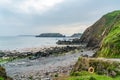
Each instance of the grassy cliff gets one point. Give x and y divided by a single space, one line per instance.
110 45
105 35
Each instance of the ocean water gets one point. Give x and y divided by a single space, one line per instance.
12 43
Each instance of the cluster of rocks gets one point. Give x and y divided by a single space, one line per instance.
75 41
54 51
45 52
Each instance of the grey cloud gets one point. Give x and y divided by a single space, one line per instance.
69 12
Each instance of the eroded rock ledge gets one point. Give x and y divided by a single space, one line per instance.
109 67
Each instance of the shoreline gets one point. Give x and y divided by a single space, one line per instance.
35 49
34 53
47 50
24 68
51 64
43 62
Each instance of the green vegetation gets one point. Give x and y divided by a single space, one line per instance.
105 32
103 70
4 60
101 66
110 45
1 78
3 75
84 75
110 17
87 76
7 59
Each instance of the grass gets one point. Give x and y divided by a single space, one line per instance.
110 17
111 43
2 60
92 77
87 76
1 78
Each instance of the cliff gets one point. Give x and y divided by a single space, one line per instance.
110 45
105 35
94 34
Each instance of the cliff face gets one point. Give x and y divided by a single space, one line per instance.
91 36
95 33
105 35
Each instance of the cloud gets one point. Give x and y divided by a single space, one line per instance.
30 6
4 2
37 16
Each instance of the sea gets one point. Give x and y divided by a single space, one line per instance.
18 42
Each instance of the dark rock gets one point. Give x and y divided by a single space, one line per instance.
3 74
85 55
2 54
75 41
113 73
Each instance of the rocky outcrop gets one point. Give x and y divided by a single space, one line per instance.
75 41
94 34
54 51
43 52
3 75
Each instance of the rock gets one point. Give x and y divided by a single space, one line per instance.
75 41
85 55
3 74
2 54
113 73
46 79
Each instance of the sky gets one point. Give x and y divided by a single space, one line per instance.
32 17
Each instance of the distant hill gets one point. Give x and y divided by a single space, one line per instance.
77 35
50 35
105 35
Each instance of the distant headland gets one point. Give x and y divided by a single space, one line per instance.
50 35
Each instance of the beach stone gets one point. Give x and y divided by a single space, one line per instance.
113 73
45 79
85 55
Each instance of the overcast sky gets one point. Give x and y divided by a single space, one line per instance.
20 17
